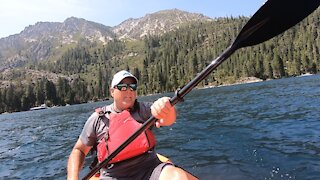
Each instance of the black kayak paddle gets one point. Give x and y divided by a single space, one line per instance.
272 19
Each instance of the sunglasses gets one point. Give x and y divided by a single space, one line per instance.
124 87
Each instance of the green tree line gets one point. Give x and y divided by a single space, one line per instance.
18 97
175 58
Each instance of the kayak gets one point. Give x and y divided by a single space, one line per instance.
161 158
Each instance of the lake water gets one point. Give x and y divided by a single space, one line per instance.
266 130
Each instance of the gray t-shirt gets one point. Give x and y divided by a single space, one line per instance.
95 129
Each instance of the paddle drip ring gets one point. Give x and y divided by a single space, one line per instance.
180 99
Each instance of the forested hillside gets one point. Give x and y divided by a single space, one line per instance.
165 63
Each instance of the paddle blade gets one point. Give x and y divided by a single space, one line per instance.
273 18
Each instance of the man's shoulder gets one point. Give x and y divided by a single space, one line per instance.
99 112
105 108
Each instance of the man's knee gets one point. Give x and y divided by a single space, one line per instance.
172 173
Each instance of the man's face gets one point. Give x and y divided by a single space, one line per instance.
124 98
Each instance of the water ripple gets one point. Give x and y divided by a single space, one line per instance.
267 130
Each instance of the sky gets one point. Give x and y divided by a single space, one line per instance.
15 15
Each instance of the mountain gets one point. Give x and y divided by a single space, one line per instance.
45 39
68 32
156 23
49 40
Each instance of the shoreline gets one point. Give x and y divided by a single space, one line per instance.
245 80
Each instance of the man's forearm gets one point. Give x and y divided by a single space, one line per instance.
75 164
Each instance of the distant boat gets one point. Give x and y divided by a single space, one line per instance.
307 74
43 106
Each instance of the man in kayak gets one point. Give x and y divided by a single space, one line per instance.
110 125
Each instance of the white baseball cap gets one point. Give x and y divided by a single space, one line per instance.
119 76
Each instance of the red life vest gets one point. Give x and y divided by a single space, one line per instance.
122 126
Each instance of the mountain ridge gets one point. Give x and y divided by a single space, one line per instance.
43 40
151 24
